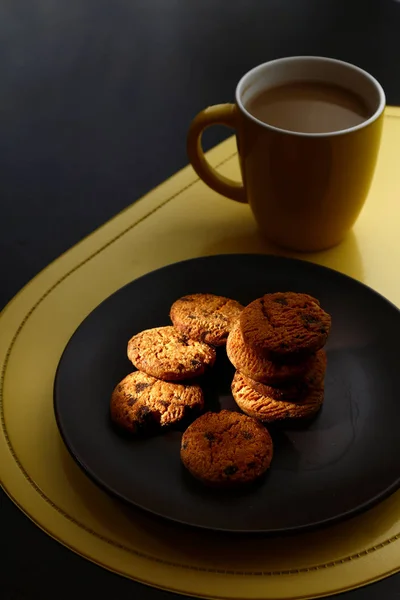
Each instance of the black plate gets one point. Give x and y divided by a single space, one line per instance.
343 462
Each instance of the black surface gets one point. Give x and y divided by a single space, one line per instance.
343 462
95 100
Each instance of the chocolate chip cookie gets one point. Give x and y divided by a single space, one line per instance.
285 326
296 390
205 317
226 449
142 404
267 409
256 366
166 353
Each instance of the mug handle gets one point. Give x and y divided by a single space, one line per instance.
220 114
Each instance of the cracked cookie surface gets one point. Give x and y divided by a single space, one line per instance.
256 366
285 325
168 354
205 317
267 409
226 449
141 403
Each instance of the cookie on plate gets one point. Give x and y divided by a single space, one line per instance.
268 409
165 353
205 317
226 449
256 366
295 390
141 403
285 325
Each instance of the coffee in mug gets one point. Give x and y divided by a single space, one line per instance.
308 131
309 107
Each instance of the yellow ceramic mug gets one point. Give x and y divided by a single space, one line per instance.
306 190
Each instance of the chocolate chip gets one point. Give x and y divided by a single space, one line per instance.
132 401
251 465
195 363
143 412
209 436
164 403
231 470
281 301
183 339
247 435
184 445
309 319
139 387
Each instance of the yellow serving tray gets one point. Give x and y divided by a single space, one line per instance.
180 219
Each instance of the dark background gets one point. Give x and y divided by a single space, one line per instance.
95 101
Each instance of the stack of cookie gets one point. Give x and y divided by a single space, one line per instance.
276 348
161 392
275 343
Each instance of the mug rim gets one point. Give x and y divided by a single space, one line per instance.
378 112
